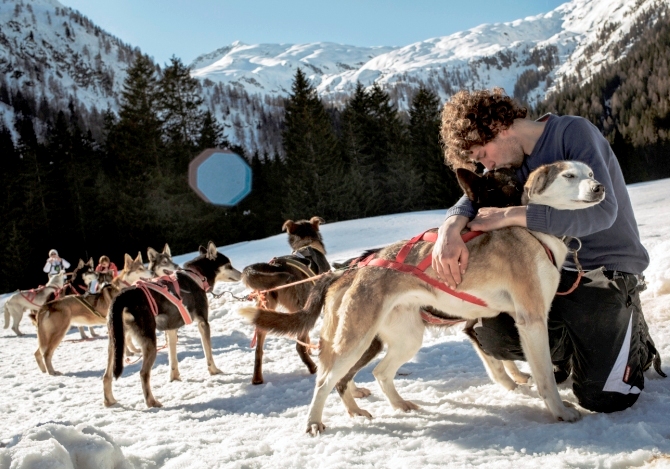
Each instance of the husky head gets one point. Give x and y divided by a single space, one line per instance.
303 233
161 263
84 273
211 263
57 281
133 269
498 188
564 185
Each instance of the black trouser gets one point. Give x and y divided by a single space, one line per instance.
598 329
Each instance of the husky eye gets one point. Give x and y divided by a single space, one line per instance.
568 176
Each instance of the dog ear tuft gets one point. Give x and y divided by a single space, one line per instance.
316 221
211 251
289 226
151 254
166 250
469 182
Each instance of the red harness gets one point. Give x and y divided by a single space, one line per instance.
29 295
162 286
419 270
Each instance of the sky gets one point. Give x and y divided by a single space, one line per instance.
189 28
224 421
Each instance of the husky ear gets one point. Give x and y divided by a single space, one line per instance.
211 251
127 262
139 258
536 184
81 264
166 250
288 226
316 221
90 263
469 182
151 254
202 250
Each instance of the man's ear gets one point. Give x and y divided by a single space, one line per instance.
315 222
288 226
469 182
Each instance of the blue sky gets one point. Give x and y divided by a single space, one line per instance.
188 28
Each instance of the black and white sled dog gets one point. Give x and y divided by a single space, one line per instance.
166 306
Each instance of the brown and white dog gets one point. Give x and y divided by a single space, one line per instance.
55 318
509 270
31 300
307 260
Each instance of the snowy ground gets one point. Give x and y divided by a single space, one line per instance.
224 421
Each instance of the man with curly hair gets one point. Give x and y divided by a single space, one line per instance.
597 332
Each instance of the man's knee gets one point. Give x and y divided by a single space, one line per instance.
597 400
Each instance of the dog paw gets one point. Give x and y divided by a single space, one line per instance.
55 373
359 393
256 381
314 428
215 371
405 406
358 412
109 402
153 403
175 377
569 413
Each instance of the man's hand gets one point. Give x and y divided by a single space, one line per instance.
491 218
450 256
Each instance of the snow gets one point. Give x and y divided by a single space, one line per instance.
223 421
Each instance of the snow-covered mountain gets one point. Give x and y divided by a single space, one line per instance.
55 53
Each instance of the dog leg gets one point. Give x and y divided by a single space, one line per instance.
517 375
303 352
172 344
82 332
148 359
398 353
130 345
39 360
16 319
205 336
258 360
535 343
346 387
92 331
107 377
327 378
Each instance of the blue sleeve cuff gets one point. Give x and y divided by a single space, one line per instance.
537 219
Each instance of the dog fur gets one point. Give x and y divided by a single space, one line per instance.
55 317
17 304
303 235
131 311
509 269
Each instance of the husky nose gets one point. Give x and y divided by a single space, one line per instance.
598 189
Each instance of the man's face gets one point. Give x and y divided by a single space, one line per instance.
504 151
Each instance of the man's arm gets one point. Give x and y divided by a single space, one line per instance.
491 218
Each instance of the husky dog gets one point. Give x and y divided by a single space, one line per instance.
509 270
54 318
308 259
141 309
160 263
31 300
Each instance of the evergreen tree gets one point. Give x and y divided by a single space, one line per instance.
438 188
313 167
211 133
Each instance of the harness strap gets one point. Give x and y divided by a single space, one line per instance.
197 277
88 306
147 287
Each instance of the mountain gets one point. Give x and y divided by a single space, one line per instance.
57 54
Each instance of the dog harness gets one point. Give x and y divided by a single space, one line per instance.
29 295
168 287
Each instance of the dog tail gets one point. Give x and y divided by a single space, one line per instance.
116 336
6 314
297 323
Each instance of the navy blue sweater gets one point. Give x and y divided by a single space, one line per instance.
608 231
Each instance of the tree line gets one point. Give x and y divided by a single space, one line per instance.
85 197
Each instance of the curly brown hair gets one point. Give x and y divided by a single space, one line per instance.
475 118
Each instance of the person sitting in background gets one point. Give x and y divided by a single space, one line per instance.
55 264
104 265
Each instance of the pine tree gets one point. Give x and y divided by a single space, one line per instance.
313 167
211 133
438 187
